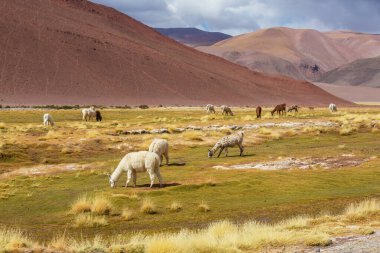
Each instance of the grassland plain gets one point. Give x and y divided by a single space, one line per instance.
45 170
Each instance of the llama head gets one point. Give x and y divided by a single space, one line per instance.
112 182
210 153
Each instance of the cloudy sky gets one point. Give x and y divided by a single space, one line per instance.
241 16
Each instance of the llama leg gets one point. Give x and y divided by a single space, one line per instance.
241 149
220 151
166 154
159 177
151 175
226 151
129 175
134 177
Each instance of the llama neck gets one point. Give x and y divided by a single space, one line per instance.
118 171
215 148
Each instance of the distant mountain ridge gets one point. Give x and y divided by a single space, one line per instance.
193 36
362 72
303 54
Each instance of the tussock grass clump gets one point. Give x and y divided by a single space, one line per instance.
222 236
362 211
193 136
148 207
127 214
348 130
101 206
89 220
14 240
60 243
175 207
204 207
82 205
98 205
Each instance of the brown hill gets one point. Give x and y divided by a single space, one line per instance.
78 52
192 36
298 53
363 72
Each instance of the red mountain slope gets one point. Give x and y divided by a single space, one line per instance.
78 52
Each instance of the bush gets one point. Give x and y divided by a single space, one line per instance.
143 106
148 206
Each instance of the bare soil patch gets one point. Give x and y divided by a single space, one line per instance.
345 160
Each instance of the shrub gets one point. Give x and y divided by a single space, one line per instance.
148 206
143 106
175 207
82 205
89 220
101 206
363 210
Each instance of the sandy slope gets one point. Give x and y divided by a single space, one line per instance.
77 52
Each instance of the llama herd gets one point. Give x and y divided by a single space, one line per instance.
151 160
278 109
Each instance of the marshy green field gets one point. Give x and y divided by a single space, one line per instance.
54 190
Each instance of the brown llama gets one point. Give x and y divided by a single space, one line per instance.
280 109
258 112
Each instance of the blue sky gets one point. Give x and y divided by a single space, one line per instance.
241 16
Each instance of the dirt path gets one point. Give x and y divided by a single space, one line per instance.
353 244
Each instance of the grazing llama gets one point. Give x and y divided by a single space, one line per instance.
258 112
226 142
293 108
48 120
226 110
333 108
210 108
280 109
88 113
137 162
98 115
161 148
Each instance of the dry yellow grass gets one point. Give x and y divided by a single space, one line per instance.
222 236
101 206
348 129
89 220
127 214
175 207
148 206
82 205
192 136
363 210
14 240
204 207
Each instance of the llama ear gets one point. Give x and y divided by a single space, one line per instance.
109 175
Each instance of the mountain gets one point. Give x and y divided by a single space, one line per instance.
193 36
78 52
299 53
352 93
363 72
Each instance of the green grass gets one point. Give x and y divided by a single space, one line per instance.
41 205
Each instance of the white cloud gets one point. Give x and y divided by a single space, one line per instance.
240 16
